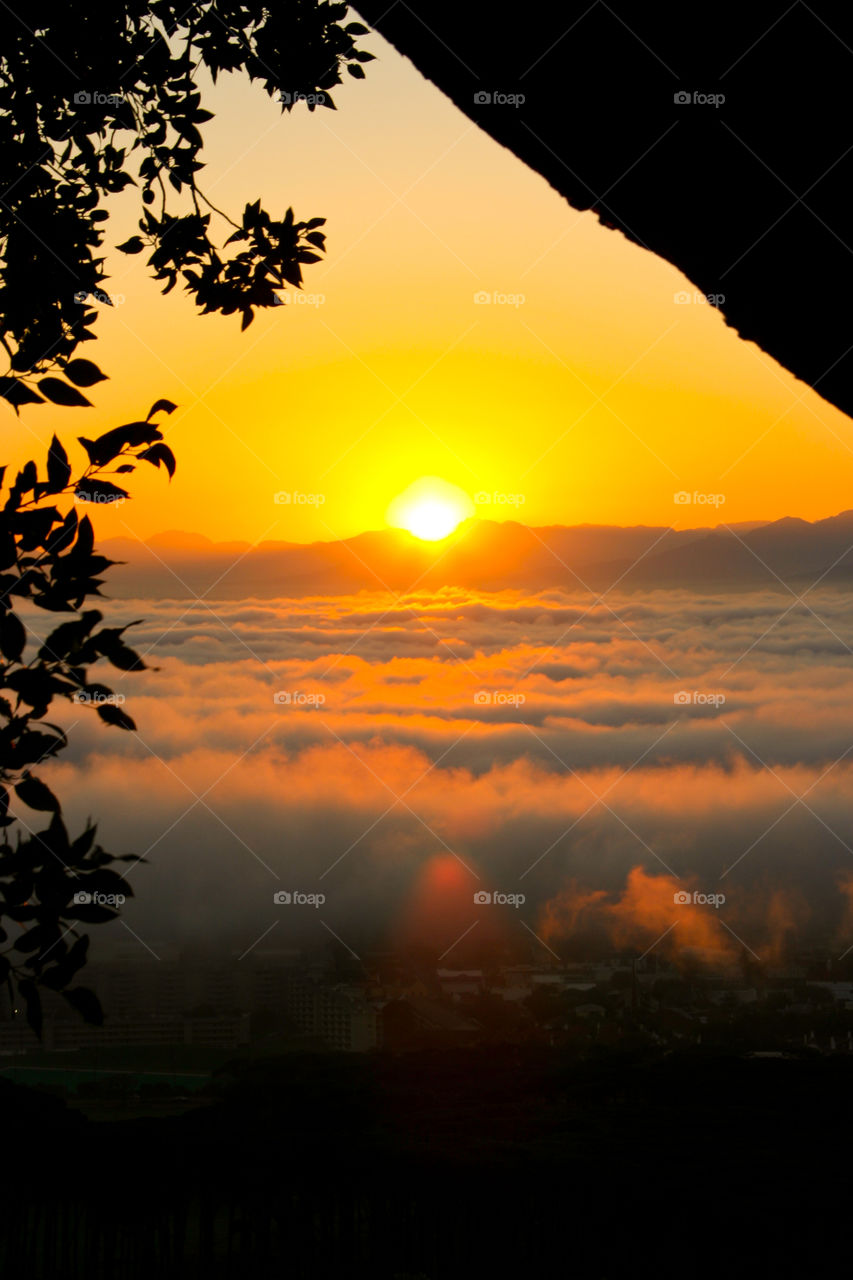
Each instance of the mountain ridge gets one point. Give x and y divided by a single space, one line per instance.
495 555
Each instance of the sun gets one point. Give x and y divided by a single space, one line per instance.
430 508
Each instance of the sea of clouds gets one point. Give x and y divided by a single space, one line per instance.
597 757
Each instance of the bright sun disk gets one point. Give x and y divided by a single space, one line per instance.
430 508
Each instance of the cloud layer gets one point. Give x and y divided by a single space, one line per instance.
598 757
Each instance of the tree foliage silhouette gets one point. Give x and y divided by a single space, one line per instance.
94 99
98 97
50 883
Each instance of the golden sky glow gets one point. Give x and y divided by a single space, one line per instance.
466 324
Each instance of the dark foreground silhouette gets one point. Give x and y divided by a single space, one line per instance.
441 1165
719 140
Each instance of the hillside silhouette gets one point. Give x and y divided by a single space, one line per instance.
748 196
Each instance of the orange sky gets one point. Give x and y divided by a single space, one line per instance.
595 399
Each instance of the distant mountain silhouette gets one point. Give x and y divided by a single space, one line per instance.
493 556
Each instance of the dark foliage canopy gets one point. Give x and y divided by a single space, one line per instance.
100 96
95 98
49 883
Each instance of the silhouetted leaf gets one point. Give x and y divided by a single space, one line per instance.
101 491
34 685
111 714
35 794
33 527
18 393
85 538
60 392
110 444
32 748
81 846
83 373
27 478
86 1003
166 405
8 552
58 466
90 447
64 639
105 881
13 636
32 1000
62 972
160 453
123 657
